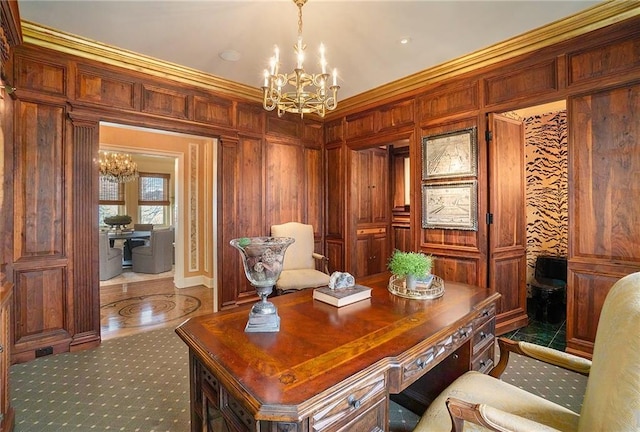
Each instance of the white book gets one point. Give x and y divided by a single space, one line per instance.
342 297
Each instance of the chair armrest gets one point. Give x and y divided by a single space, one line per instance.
325 261
491 418
544 354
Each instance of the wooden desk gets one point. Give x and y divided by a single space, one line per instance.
331 369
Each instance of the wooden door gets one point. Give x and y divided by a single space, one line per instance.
379 179
361 174
507 229
604 204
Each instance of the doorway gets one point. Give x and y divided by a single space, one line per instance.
546 181
190 162
542 144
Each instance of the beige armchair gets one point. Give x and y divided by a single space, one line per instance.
611 401
110 258
299 267
157 257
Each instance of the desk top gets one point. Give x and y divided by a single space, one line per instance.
320 346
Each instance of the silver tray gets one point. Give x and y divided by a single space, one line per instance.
434 290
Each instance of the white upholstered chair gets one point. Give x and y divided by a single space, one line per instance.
110 258
299 267
611 401
157 257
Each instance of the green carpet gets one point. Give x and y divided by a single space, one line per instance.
141 383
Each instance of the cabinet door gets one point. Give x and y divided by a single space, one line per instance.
379 179
362 256
378 253
362 186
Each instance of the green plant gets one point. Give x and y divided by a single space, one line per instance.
409 263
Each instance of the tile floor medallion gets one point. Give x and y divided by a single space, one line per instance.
147 310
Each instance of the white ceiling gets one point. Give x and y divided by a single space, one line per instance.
361 37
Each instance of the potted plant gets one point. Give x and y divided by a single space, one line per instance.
410 265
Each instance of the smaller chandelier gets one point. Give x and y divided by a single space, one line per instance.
117 167
289 93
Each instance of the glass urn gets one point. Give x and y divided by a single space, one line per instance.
262 258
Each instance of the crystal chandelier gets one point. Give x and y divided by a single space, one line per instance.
289 93
117 167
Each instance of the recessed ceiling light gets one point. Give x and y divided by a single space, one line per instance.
405 41
230 55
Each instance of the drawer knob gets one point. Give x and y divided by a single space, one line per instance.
483 335
485 313
420 363
353 402
482 363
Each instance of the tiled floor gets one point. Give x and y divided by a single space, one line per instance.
552 335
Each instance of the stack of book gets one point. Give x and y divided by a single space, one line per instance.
343 296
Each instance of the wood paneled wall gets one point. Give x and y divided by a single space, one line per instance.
599 74
269 171
62 98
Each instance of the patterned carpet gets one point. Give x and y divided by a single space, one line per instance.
141 383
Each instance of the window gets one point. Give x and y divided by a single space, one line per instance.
153 198
111 198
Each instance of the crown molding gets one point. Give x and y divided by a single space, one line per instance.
596 17
46 37
601 15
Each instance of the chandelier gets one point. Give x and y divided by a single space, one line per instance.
117 167
289 92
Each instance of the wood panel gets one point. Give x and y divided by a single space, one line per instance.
312 133
286 126
507 233
591 64
531 80
7 414
334 251
604 165
40 75
97 87
164 101
284 178
604 233
335 192
211 109
251 218
314 191
40 303
250 118
333 131
396 115
228 173
456 268
449 99
360 125
586 292
39 205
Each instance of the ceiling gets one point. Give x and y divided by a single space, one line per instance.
362 38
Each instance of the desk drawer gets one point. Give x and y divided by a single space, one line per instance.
484 315
483 362
424 361
484 336
361 402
